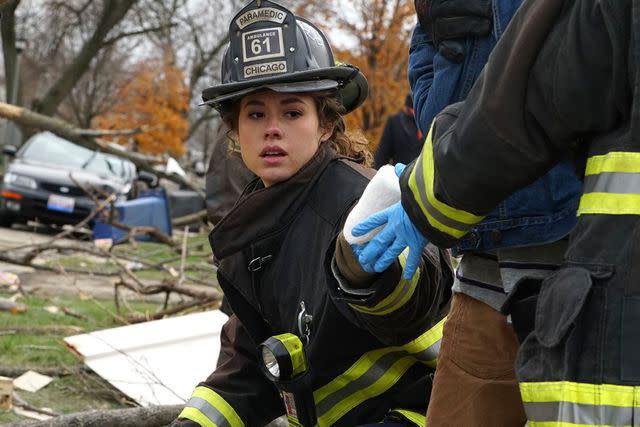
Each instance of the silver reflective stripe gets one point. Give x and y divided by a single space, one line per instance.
209 411
432 210
373 374
613 182
578 413
407 286
429 354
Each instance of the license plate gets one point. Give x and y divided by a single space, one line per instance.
61 203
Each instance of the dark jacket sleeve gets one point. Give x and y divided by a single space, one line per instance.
421 74
384 152
394 309
558 75
236 388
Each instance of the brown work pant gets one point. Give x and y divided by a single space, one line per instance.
475 383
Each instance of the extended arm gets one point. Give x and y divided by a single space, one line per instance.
559 73
394 309
432 78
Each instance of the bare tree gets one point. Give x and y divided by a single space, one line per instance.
96 92
70 42
111 13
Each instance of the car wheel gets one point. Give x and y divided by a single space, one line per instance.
6 219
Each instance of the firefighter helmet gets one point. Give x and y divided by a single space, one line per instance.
270 48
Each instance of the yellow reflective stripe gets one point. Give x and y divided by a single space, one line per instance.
424 343
384 383
616 161
563 424
610 204
583 393
565 403
613 192
396 299
371 375
296 352
416 418
428 171
215 400
362 365
194 414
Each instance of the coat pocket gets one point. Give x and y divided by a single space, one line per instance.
562 297
521 306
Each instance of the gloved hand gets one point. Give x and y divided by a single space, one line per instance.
450 21
399 232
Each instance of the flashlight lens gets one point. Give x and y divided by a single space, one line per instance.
270 362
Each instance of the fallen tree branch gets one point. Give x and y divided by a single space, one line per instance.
201 299
178 308
28 118
18 401
151 231
100 206
168 287
124 132
189 219
41 330
16 371
151 416
70 312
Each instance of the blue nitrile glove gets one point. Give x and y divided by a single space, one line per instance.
388 244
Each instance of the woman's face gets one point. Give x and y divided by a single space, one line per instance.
278 133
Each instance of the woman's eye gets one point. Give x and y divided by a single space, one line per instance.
293 114
256 115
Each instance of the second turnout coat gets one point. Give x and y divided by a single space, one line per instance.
564 78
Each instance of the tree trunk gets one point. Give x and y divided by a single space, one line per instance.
10 54
152 416
113 12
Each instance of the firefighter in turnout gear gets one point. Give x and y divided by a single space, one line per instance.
313 336
565 77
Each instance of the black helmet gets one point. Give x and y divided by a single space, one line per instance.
270 48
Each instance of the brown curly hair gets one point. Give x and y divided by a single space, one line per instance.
351 144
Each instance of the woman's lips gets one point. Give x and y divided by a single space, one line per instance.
272 154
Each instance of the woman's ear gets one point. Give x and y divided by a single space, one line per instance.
233 136
326 134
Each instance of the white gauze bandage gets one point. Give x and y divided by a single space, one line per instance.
381 192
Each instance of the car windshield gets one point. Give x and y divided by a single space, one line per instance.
48 148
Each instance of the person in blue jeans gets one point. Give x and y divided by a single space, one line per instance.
520 243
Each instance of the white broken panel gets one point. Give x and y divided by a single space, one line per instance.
158 362
32 381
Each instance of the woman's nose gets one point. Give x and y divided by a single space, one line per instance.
273 129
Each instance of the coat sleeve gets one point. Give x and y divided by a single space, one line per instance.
396 310
558 75
432 77
236 394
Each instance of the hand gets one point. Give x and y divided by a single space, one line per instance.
450 21
399 232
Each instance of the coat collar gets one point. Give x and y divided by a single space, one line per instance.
262 211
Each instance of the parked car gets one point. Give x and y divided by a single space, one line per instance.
45 179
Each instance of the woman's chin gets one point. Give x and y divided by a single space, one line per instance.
274 177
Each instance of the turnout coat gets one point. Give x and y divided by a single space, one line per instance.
371 351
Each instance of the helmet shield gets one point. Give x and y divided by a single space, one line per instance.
270 48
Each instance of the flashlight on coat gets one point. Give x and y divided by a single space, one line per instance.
284 362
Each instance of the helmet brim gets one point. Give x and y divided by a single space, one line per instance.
348 80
